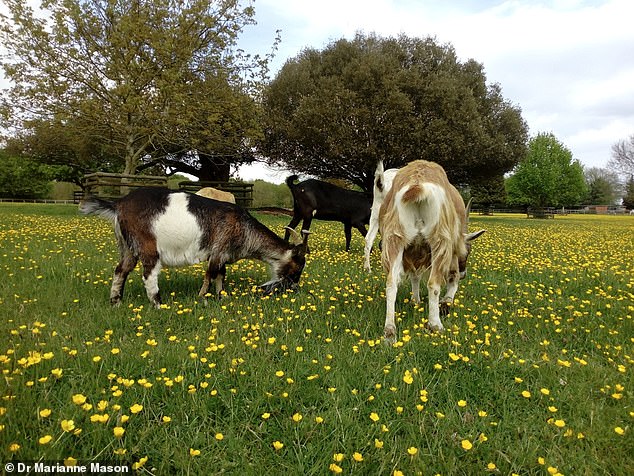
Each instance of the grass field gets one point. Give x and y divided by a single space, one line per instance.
533 375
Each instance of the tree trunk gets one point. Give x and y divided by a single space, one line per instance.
213 169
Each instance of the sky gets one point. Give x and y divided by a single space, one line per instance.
568 64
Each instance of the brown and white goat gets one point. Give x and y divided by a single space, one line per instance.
167 228
215 194
423 224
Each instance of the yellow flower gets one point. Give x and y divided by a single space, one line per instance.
618 430
139 464
57 373
193 452
219 436
118 431
378 444
358 457
67 425
334 468
136 408
278 445
266 416
297 417
79 399
70 461
338 457
466 445
462 403
45 440
45 412
374 417
526 394
491 466
407 378
412 450
319 419
560 423
167 419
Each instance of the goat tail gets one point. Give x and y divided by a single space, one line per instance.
424 203
98 206
290 179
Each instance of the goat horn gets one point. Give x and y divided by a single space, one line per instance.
467 211
296 237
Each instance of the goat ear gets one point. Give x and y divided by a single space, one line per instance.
474 235
295 238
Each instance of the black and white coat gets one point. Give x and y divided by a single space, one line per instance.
160 228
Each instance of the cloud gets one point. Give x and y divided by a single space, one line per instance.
564 62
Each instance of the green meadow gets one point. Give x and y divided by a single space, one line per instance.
533 375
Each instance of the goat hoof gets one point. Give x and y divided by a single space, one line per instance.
444 308
389 334
435 327
115 301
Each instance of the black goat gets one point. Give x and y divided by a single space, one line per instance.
325 201
166 228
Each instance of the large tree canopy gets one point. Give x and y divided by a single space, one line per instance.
132 81
547 176
335 113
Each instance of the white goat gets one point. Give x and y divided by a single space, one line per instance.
382 184
423 225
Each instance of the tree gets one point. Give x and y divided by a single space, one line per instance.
604 186
487 193
137 80
335 113
23 178
547 176
628 198
623 157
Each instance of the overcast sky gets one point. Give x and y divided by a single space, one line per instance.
568 64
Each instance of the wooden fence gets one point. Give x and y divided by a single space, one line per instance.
112 186
108 185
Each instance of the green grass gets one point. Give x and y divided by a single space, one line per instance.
546 309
